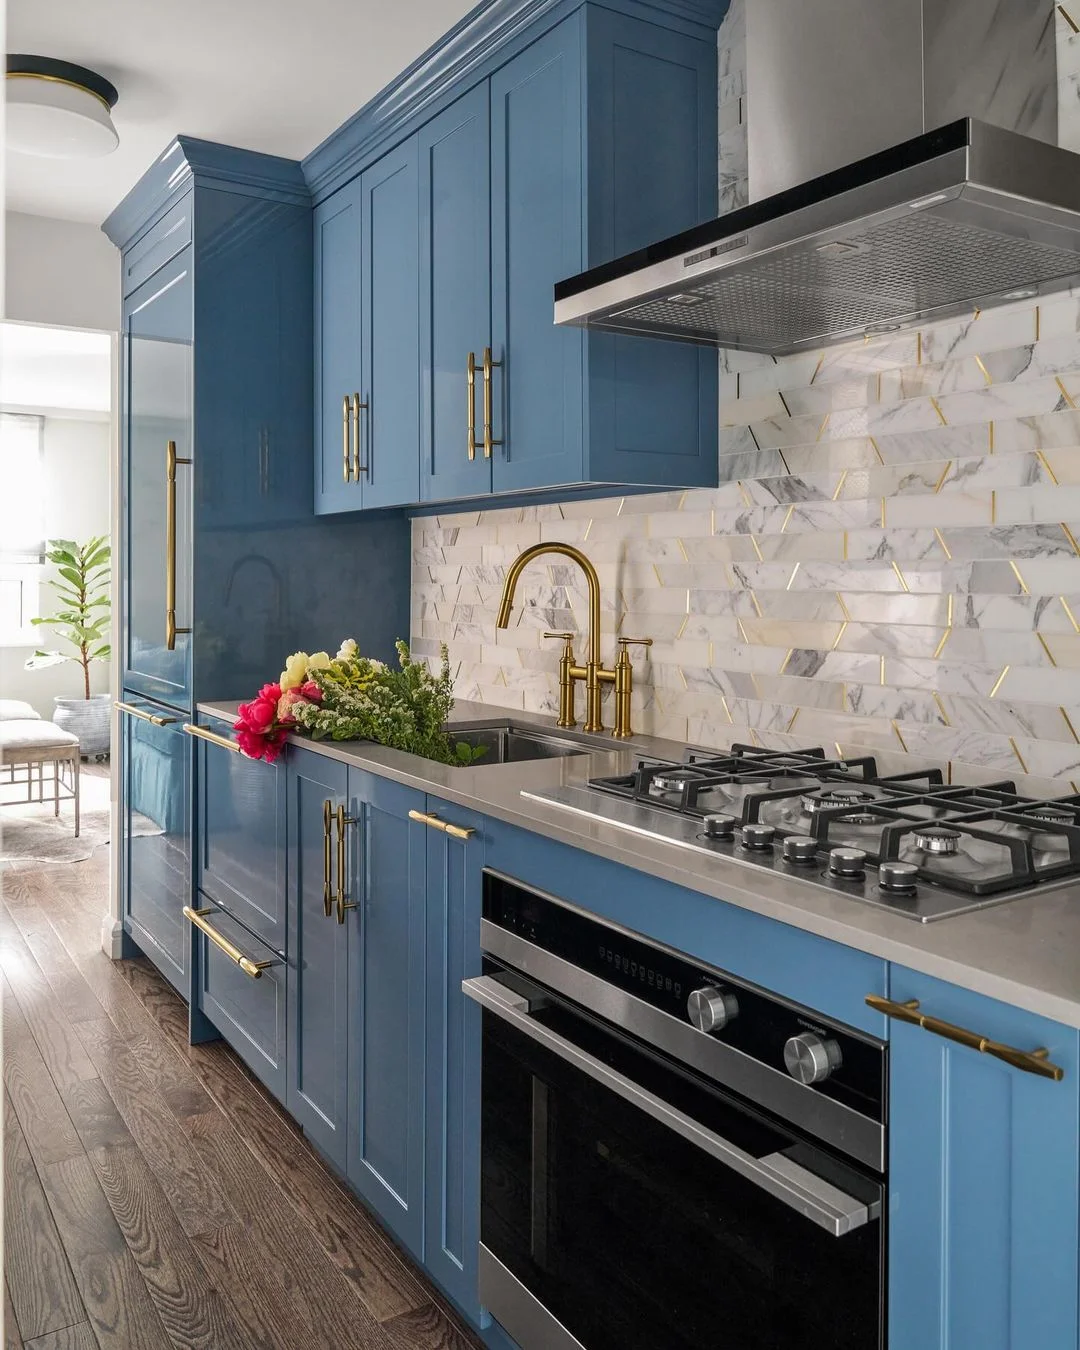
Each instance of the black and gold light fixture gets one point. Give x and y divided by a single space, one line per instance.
58 110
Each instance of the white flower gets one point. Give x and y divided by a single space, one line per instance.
347 650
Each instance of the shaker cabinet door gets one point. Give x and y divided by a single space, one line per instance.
338 376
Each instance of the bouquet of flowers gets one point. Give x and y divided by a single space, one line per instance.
352 697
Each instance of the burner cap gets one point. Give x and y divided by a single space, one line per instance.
670 782
835 798
1052 815
938 839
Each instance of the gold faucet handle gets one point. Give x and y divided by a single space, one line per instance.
631 642
568 638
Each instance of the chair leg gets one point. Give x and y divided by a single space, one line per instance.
56 788
75 780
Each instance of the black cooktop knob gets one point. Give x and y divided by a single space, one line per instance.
847 864
801 850
719 827
898 878
759 837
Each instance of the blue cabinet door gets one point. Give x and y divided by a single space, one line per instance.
389 425
982 1180
318 996
455 295
156 569
452 1123
241 836
537 238
386 1004
155 854
338 374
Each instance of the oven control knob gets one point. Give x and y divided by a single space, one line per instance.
719 827
898 878
711 1009
811 1059
800 849
758 837
848 864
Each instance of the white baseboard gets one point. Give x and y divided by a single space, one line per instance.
112 937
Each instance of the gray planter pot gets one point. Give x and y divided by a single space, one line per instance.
87 718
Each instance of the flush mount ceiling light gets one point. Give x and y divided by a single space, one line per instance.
58 110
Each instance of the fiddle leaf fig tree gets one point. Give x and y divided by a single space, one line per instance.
82 619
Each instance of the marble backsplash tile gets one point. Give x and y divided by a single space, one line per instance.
891 562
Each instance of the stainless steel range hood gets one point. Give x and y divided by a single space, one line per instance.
975 213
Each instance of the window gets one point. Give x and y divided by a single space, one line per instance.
22 525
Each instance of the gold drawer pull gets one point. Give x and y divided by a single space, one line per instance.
246 964
489 366
470 422
1029 1061
171 461
343 903
346 446
455 831
204 735
327 859
357 404
145 716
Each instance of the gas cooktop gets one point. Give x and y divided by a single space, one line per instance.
908 842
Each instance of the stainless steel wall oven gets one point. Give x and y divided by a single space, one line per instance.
671 1158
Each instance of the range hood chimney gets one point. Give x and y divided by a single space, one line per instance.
903 167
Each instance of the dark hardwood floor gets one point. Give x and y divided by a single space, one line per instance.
154 1194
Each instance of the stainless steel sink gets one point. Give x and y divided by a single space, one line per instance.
507 743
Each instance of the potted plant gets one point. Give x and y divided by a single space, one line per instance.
82 621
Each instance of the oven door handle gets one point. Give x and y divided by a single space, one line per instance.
801 1190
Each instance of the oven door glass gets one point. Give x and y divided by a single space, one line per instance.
695 1223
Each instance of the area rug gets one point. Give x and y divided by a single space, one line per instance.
29 832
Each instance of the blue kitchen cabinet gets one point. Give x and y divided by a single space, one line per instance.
455 287
389 428
982 1180
452 1121
386 883
338 485
318 1008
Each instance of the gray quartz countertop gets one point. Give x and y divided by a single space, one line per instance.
1025 952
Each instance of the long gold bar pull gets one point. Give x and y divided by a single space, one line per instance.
357 404
152 718
171 461
454 831
343 903
252 968
346 448
1028 1061
470 422
327 860
489 366
204 735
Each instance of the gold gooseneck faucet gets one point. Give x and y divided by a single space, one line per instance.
593 673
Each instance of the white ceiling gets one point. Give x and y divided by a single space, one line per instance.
55 370
270 75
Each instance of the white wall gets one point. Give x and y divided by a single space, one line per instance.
77 505
60 272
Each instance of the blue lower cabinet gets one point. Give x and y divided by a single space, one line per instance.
245 999
452 1124
319 1011
982 1179
386 883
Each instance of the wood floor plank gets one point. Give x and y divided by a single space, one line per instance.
43 1292
168 1072
234 1266
194 1193
95 1117
72 992
194 1316
78 1337
319 1294
427 1328
12 1339
49 1132
118 1306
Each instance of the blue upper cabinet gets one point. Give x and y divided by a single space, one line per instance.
338 412
982 1179
388 445
455 286
544 148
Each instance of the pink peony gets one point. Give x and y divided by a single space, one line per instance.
259 715
311 692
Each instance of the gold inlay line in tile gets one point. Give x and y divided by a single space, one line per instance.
756 603
817 368
757 548
883 513
999 682
876 450
1038 322
723 704
840 635
747 499
937 408
993 506
1065 393
682 550
991 426
1016 752
1068 723
742 629
843 607
1020 579
1072 24
942 710
941 540
1046 648
918 348
824 424
949 610
977 314
783 460
682 627
941 645
1041 457
794 574
794 718
900 577
882 671
1071 538
843 552
1068 611
840 485
787 517
944 474
896 732
783 401
982 366
784 663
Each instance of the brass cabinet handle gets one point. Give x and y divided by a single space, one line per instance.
246 964
343 904
171 461
455 831
357 404
145 716
327 859
346 447
204 735
470 423
1030 1061
489 366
